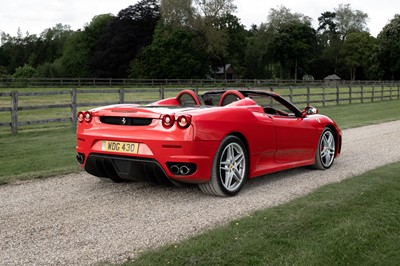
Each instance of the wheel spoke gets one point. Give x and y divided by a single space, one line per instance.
327 158
326 140
237 176
224 165
230 154
228 179
239 158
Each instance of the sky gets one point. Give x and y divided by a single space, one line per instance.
37 15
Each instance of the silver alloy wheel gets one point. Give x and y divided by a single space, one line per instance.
232 167
327 148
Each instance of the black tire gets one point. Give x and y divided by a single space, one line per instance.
326 149
229 170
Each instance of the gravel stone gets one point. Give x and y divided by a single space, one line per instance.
78 219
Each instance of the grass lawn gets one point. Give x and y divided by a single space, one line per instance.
37 154
356 115
355 222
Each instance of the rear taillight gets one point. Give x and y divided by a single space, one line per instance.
85 116
81 117
184 121
88 116
168 120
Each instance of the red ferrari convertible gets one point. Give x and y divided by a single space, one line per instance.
218 140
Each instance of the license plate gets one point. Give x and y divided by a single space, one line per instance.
123 147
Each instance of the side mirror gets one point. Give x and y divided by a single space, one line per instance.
309 110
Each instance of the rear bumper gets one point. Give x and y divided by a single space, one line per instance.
128 168
156 160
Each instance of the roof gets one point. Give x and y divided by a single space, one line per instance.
332 77
220 70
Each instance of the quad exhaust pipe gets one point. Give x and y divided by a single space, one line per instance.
184 170
80 158
174 169
179 169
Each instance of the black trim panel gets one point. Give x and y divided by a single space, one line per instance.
127 168
126 121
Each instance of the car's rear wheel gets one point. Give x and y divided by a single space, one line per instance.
326 149
229 170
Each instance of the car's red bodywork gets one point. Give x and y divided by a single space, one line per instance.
274 142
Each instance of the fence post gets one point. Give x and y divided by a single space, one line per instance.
291 94
362 94
382 93
121 96
162 93
323 96
373 94
14 112
350 94
398 91
74 118
390 86
337 95
308 95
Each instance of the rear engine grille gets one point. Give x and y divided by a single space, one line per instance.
126 121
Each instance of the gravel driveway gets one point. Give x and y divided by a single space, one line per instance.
79 219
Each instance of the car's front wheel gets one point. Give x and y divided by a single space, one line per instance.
326 150
229 170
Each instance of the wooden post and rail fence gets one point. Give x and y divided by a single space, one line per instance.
321 96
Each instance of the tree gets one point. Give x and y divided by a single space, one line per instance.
177 13
256 59
282 16
388 54
173 54
75 59
294 46
50 70
223 37
32 50
236 41
348 20
24 72
51 43
329 40
123 38
356 51
214 8
48 50
16 50
80 47
3 72
215 41
327 22
285 43
334 27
